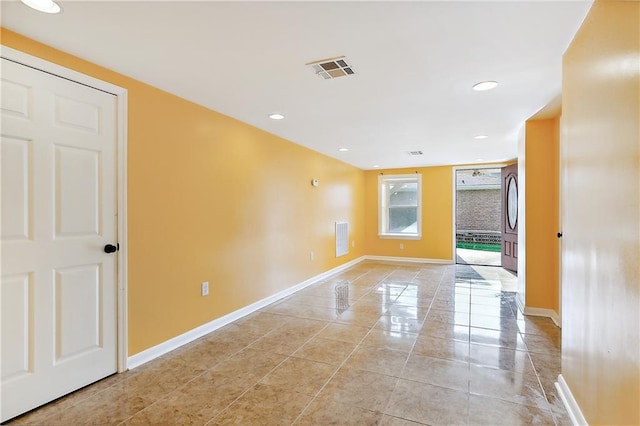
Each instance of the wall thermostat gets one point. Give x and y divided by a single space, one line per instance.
314 182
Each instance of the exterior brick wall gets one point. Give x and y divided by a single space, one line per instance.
478 210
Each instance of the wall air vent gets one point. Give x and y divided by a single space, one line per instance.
342 238
331 68
415 153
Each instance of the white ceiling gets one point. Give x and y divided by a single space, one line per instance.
415 63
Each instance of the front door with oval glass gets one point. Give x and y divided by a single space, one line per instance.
510 217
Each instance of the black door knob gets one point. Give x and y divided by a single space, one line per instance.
559 234
110 248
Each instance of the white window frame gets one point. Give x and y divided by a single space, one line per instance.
383 206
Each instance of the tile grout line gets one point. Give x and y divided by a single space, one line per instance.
537 330
231 355
287 357
341 364
284 360
535 369
386 409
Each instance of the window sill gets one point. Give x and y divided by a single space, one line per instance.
399 237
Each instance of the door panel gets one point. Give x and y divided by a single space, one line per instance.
77 187
16 169
58 287
77 298
77 114
16 326
510 217
15 99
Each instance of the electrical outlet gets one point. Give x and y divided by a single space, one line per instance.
401 246
204 288
312 256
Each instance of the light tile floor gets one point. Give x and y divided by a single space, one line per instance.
381 343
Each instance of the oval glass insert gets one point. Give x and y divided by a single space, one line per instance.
512 202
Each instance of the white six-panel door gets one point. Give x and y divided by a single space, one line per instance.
58 211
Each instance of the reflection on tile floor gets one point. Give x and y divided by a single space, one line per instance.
380 343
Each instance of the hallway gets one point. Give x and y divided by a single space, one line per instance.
380 343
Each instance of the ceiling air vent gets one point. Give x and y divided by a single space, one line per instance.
415 153
331 68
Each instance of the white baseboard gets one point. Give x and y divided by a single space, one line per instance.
542 312
191 335
409 259
575 414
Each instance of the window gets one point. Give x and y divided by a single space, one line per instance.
399 200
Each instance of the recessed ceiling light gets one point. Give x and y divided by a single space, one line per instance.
276 116
46 6
376 166
485 85
479 160
343 149
480 137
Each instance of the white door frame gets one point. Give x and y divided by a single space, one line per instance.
454 170
121 176
561 149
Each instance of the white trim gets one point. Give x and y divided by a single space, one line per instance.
537 312
409 259
123 266
59 70
121 159
400 236
454 211
542 312
520 302
522 217
570 403
561 148
383 207
191 335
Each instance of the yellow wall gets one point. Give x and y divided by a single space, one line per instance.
541 204
437 216
601 214
213 199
